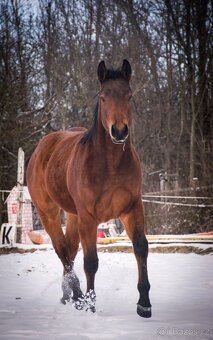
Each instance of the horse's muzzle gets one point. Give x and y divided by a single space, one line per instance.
119 136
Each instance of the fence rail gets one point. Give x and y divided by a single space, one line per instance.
179 204
178 197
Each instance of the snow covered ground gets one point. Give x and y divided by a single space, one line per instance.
181 295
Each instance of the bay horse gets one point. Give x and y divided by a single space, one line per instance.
94 175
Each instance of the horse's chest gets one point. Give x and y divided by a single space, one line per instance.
106 194
112 203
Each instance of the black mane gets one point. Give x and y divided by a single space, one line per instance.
112 74
87 136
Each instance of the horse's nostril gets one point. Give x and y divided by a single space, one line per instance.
113 131
126 130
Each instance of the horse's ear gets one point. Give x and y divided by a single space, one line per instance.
102 71
126 70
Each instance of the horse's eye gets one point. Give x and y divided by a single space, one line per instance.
130 97
102 99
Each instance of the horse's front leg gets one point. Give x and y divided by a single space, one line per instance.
134 224
88 237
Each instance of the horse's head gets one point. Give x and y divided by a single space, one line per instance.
115 101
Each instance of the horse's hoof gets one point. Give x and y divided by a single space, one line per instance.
79 304
64 300
144 312
91 309
90 299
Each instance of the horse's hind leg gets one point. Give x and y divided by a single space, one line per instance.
51 220
70 280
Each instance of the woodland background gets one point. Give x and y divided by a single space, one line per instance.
49 53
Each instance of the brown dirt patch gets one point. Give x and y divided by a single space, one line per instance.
16 250
122 249
162 250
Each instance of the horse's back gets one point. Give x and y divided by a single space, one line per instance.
49 144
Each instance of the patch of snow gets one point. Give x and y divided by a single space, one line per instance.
181 296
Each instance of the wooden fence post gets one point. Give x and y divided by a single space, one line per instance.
162 186
20 194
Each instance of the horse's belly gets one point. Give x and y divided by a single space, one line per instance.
112 204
